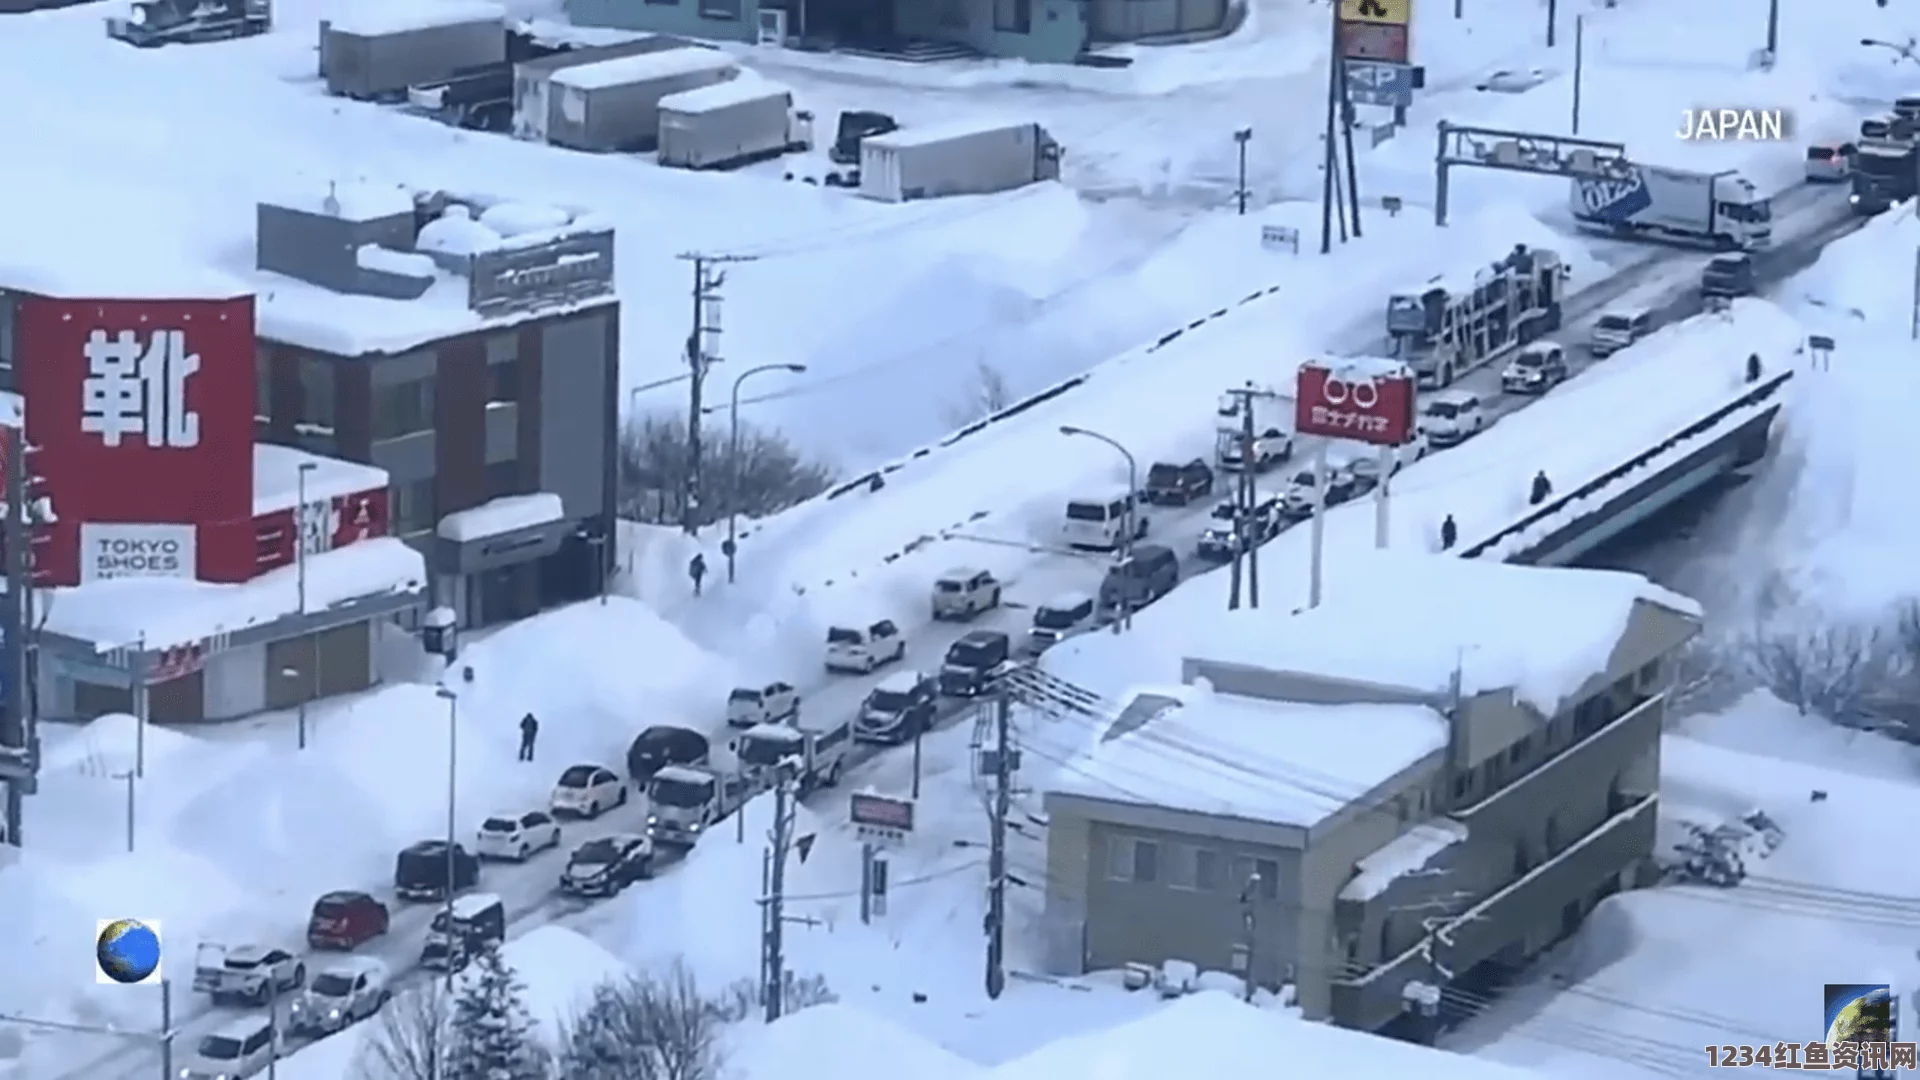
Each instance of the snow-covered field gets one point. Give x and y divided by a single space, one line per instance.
894 310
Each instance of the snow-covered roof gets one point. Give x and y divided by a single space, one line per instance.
682 774
721 95
351 200
1216 1034
1413 620
1410 851
508 513
900 682
375 18
1362 367
467 905
277 477
860 1044
923 134
623 70
1222 754
168 612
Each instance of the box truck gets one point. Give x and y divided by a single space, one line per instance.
1720 209
532 78
615 104
1885 172
376 53
731 123
960 159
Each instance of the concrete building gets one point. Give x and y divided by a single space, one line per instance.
1423 782
1042 31
498 424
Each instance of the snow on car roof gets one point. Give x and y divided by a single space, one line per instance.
776 732
241 1026
1066 600
1451 397
681 774
467 905
1280 762
959 573
900 682
354 965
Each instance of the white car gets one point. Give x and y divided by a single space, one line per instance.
352 988
1537 369
963 592
516 836
234 1050
588 791
1450 417
1512 80
1615 330
1830 163
863 647
246 973
773 703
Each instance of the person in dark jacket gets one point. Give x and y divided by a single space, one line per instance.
1542 488
1449 533
529 731
697 570
1753 368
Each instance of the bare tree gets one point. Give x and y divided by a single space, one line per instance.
986 394
764 474
644 1028
1821 669
411 1039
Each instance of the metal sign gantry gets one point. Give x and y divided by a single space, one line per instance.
1523 151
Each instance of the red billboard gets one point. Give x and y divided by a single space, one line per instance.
1375 41
141 416
324 525
1364 402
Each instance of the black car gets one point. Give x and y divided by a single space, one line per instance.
855 125
1178 485
420 873
604 866
900 708
1148 574
971 662
662 745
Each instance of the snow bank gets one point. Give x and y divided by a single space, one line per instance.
860 1044
1214 1034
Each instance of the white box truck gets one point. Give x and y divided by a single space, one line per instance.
375 52
731 123
533 77
1720 209
615 104
976 158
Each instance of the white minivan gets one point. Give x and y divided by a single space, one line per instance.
863 646
1451 417
235 1049
1101 522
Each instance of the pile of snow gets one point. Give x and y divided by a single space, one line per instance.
861 1045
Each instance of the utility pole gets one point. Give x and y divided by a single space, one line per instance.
1329 158
997 852
703 351
1248 926
1246 499
773 960
1346 134
18 752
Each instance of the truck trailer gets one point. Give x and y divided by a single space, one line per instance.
1447 328
532 79
962 159
1885 172
375 55
613 105
1719 209
151 23
731 123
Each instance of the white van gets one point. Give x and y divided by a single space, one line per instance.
1451 417
237 1048
864 646
1101 522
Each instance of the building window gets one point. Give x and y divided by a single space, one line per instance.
1193 868
1208 870
1518 751
1591 715
720 9
402 408
316 395
413 509
1133 860
1386 937
262 381
1649 676
503 367
1268 872
1013 16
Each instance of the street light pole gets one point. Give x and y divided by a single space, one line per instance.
1241 138
733 455
453 763
300 571
1130 529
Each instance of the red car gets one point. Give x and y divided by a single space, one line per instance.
343 920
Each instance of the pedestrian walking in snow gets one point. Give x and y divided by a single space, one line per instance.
697 570
529 731
1449 533
1753 368
1542 488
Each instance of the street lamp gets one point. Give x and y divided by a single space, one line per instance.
453 762
300 564
1133 500
733 453
1240 139
1900 51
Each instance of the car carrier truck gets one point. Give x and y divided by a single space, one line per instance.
1447 327
1718 209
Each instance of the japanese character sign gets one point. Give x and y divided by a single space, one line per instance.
1372 407
139 388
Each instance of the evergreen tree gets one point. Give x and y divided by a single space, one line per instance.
493 1033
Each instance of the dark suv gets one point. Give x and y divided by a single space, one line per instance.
1178 485
662 745
420 873
900 708
971 662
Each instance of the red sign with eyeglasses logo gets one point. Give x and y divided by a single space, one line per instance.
1362 400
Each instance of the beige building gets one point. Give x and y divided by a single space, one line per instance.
1428 778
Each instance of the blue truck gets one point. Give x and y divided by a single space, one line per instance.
1714 209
